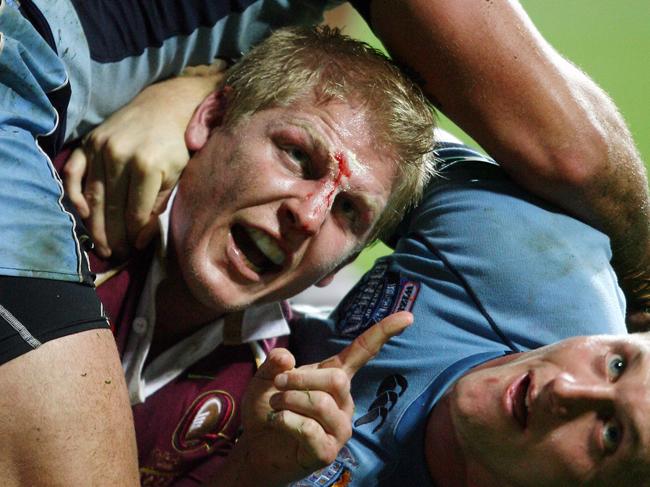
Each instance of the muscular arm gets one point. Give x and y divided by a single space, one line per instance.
554 131
66 418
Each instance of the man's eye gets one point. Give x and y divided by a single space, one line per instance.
348 209
301 157
615 366
611 436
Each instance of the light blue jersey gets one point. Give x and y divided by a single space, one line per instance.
487 270
38 233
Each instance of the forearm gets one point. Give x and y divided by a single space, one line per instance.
179 97
553 130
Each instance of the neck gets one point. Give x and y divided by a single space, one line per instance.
450 465
178 312
443 453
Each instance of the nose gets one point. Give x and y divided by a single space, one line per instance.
570 396
307 213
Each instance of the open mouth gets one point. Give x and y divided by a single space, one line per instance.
519 397
261 252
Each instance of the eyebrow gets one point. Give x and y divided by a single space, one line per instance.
315 138
371 204
632 427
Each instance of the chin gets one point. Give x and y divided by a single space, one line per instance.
221 295
210 288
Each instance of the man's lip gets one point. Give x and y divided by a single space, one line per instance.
515 399
239 262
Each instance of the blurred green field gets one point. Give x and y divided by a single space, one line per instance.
610 40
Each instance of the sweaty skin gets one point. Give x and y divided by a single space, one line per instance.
332 186
571 413
274 176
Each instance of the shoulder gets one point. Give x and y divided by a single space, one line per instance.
541 274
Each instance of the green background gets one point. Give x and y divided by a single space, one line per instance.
608 39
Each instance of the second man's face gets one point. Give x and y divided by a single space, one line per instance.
573 413
277 202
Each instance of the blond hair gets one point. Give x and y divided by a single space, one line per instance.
297 61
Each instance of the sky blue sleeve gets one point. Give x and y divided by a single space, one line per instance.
538 273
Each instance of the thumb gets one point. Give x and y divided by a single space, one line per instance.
278 360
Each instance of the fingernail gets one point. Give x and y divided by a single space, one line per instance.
281 380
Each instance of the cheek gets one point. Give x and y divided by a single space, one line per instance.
477 396
471 417
566 449
328 250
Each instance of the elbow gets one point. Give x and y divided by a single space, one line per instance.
577 161
582 163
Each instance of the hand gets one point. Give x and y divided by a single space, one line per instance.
295 421
133 160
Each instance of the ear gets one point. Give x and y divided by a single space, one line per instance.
208 115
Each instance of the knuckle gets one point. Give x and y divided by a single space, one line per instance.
93 198
310 429
178 164
362 342
295 381
143 162
93 141
345 432
136 216
115 152
322 404
340 380
69 171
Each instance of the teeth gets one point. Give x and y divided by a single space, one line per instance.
267 245
250 264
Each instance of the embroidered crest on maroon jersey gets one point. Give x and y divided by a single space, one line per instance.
204 422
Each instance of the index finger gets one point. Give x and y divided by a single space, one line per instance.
368 344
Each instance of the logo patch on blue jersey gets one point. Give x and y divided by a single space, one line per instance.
388 393
336 474
380 292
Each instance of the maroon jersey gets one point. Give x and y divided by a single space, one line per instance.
185 429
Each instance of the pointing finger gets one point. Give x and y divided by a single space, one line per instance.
368 344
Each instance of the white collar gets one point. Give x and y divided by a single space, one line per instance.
259 322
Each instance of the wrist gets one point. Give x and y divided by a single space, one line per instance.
246 467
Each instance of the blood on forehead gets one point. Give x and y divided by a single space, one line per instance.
332 186
343 169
